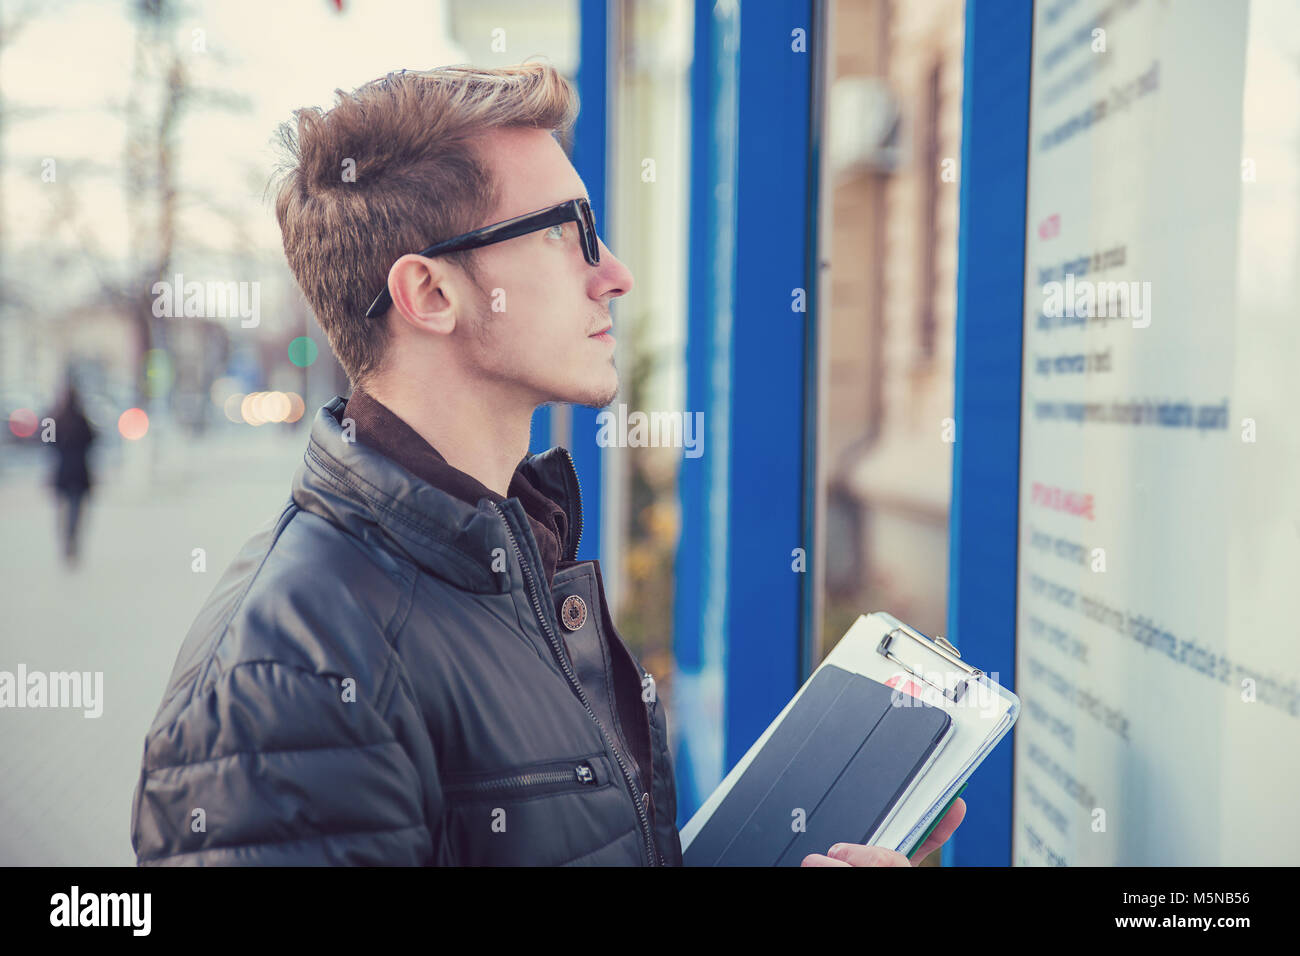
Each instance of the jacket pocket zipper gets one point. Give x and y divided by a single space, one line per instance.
580 773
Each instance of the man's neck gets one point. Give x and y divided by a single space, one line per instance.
481 434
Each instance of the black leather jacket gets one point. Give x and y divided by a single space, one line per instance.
381 677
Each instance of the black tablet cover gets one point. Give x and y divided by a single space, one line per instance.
844 755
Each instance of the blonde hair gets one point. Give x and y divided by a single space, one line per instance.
414 178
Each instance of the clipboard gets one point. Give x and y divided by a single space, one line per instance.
920 671
983 712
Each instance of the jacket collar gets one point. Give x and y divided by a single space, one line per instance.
369 495
378 426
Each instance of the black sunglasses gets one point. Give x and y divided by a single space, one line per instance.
572 210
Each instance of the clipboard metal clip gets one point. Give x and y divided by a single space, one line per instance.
891 646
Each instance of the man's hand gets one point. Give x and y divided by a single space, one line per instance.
856 854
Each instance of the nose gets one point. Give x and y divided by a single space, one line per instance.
614 277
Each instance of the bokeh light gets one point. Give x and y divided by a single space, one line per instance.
23 422
248 409
276 406
133 423
302 351
232 405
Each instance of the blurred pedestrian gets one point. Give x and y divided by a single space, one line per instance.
73 436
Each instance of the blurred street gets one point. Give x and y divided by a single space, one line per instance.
66 790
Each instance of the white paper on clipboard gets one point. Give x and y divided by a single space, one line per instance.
982 713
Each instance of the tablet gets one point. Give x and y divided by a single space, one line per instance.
832 769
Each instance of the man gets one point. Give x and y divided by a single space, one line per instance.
409 665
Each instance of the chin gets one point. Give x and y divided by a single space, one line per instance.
597 394
598 398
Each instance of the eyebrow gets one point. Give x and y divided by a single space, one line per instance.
570 198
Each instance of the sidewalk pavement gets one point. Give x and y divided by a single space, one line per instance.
66 780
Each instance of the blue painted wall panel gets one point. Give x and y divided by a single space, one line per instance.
768 336
986 457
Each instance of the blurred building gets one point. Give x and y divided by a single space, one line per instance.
894 127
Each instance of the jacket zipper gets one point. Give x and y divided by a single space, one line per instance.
643 818
577 484
580 773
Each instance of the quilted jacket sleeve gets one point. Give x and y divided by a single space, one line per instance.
273 765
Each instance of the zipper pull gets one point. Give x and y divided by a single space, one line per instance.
584 773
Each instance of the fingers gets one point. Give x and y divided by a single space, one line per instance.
856 854
951 820
817 859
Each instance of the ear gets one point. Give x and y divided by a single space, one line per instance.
425 293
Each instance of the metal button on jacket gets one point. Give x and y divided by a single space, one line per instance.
573 613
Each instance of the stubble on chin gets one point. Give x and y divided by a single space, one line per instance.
601 399
604 396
